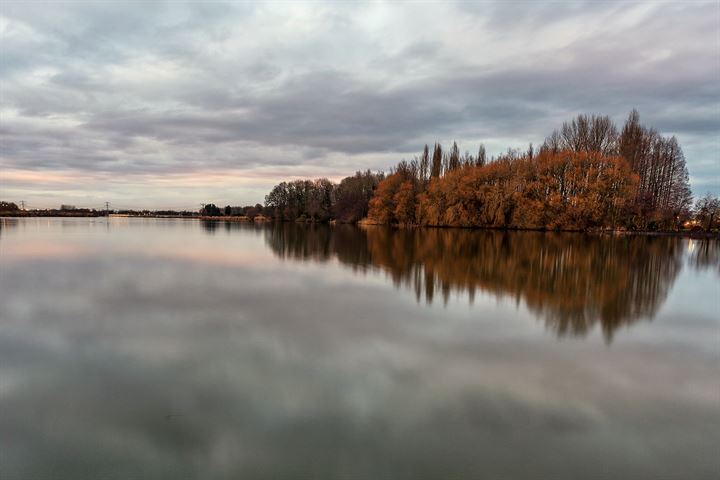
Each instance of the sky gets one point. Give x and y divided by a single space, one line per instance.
171 104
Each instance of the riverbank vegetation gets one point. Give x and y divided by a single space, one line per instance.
322 200
586 175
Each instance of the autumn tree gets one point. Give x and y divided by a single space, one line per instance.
424 166
586 134
405 203
353 195
453 158
481 159
663 197
383 205
436 168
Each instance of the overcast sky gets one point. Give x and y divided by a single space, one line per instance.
167 105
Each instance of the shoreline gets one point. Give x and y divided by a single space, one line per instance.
610 232
365 224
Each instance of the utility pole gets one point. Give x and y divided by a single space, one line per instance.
107 209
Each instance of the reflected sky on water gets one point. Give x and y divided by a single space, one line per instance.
151 348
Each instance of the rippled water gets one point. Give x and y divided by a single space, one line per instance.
149 348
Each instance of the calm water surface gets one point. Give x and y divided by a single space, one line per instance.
141 349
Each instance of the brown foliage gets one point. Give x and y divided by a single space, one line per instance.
405 203
383 204
585 176
563 190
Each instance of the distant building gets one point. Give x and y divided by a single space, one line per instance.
67 207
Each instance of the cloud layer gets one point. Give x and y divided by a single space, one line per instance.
172 104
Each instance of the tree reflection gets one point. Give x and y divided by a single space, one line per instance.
7 223
319 243
571 281
209 226
705 254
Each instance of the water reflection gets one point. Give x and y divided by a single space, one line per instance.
209 226
705 254
162 349
572 281
7 223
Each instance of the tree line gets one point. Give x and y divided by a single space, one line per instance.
588 174
11 209
250 211
322 200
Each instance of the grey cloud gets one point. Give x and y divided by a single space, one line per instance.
201 80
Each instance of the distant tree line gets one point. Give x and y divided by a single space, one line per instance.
250 211
322 200
11 209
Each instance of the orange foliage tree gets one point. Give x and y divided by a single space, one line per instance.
394 201
555 190
382 205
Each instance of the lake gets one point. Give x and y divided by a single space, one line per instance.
164 348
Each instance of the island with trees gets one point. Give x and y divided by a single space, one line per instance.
588 175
